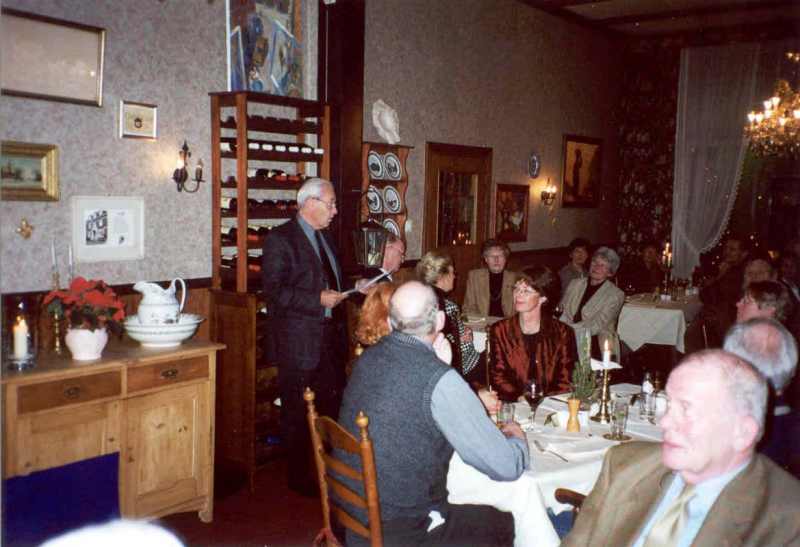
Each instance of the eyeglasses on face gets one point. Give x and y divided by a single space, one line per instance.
402 255
524 290
330 204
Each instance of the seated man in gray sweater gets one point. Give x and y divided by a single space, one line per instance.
420 411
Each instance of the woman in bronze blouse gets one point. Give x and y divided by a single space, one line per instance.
531 344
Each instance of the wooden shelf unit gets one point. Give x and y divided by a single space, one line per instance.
248 424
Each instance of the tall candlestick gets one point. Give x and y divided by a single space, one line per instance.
71 265
20 339
53 257
606 355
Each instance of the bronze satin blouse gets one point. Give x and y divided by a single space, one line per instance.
552 362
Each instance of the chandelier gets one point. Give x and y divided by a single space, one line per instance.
776 130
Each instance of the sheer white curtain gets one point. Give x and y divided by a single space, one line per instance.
715 91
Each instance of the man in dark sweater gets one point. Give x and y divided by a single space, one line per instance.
420 411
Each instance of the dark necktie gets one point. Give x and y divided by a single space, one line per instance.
330 277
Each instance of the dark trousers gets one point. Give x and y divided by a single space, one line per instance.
464 526
327 382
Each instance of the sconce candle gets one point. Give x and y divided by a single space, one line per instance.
180 175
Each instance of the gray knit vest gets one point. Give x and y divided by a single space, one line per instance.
392 383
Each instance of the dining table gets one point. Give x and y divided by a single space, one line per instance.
570 460
645 319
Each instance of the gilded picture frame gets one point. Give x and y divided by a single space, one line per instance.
511 209
51 59
29 172
582 174
138 121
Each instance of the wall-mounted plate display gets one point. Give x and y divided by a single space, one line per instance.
394 170
374 201
375 165
391 225
391 200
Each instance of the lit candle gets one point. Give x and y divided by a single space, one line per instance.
20 339
606 355
198 172
669 259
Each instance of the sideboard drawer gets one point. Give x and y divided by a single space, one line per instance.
167 373
68 392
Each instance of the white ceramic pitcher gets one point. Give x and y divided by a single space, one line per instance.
159 306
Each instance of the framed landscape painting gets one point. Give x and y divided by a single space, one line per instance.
29 172
511 211
583 161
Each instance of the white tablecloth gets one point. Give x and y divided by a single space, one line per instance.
529 497
643 321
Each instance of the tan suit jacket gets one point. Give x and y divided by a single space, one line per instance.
760 506
599 313
476 299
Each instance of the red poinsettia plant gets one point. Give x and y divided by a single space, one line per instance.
88 304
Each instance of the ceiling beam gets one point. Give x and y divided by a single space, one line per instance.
697 12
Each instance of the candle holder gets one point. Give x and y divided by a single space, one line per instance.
602 415
20 333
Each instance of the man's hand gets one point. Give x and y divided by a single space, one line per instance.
330 299
442 348
513 429
489 400
467 336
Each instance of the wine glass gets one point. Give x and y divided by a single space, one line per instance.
534 395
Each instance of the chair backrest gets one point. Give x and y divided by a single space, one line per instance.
326 434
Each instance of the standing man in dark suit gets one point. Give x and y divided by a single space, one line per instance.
705 484
303 281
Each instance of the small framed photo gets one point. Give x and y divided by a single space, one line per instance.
107 228
583 162
138 121
52 59
511 211
29 172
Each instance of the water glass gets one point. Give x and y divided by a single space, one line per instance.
505 415
646 404
619 417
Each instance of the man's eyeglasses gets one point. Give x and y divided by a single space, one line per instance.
402 255
331 204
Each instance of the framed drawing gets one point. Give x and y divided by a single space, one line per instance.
29 172
138 121
511 211
106 229
52 59
583 162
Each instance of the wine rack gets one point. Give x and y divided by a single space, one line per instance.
263 148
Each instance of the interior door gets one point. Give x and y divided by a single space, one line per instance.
457 202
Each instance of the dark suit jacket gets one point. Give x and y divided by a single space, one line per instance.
292 277
552 364
758 507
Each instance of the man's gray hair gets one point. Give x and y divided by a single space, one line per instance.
745 386
768 346
421 323
312 188
610 256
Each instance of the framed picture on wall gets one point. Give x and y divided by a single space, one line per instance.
29 172
46 58
511 211
583 163
138 121
107 228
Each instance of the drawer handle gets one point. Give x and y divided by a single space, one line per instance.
169 374
73 392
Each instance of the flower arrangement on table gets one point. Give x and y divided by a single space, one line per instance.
87 304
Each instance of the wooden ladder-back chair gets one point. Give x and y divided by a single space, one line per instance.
326 434
570 497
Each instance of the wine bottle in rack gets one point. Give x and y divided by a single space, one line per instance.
228 234
228 261
228 146
230 181
262 174
254 261
228 203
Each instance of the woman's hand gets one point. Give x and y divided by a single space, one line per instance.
467 336
489 400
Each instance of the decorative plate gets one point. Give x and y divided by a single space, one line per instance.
534 165
375 165
393 169
374 201
391 225
391 200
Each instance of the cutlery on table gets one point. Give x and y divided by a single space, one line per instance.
543 449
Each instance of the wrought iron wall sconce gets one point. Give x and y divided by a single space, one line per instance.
180 175
549 194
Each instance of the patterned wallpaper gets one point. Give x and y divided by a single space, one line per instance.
501 75
170 54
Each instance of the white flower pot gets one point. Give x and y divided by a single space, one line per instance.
85 344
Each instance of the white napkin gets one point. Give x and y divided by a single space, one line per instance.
579 448
598 365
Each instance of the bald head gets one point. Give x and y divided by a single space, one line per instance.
413 310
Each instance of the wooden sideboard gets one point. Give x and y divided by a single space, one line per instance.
153 406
